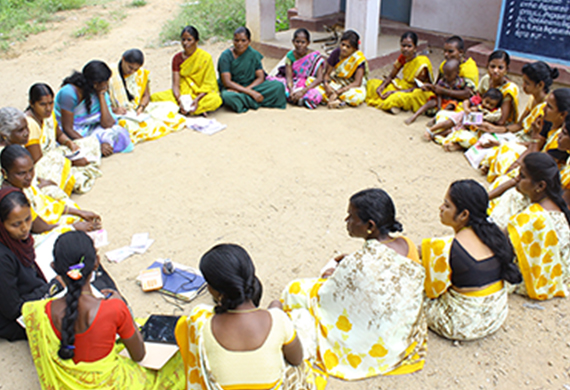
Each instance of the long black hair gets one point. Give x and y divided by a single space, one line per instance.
72 249
500 55
376 205
93 72
352 38
192 31
542 167
472 196
562 98
38 91
229 270
9 203
132 56
10 154
540 71
410 35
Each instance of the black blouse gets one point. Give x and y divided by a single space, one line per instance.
466 271
18 284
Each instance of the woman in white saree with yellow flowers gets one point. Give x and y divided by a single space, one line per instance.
364 316
129 89
540 232
466 297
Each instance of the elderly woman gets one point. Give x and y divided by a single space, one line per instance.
83 108
242 78
366 318
236 344
72 165
13 127
14 131
465 274
129 90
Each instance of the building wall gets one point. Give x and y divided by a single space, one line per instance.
469 18
317 8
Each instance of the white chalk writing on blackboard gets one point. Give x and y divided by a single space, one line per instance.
538 19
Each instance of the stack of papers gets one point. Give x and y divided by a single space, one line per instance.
139 244
205 125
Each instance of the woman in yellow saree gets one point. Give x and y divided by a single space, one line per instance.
51 215
466 298
346 74
540 233
544 134
366 318
49 147
194 84
72 339
129 90
393 94
497 68
237 345
537 79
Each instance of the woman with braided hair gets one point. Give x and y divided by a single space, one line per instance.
540 233
465 273
237 344
72 339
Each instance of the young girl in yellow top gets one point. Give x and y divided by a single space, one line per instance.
129 90
393 94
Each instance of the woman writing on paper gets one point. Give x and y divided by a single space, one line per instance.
129 90
72 339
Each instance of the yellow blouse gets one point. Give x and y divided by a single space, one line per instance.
258 369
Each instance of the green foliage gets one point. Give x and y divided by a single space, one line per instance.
94 26
20 18
138 3
218 18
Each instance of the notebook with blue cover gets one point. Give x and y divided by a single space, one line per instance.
182 284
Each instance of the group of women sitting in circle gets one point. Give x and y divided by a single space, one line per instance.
368 313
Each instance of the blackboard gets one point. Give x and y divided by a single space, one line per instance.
536 29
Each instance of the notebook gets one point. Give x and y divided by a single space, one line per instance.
184 283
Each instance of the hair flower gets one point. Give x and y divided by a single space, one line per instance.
74 271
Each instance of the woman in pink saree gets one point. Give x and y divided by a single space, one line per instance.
302 73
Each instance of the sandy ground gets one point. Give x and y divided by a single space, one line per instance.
276 182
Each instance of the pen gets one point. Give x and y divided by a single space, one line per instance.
108 295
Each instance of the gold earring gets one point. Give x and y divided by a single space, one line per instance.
369 231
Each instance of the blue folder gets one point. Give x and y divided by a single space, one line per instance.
180 281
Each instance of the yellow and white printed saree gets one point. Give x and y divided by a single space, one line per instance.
366 319
541 240
158 118
455 315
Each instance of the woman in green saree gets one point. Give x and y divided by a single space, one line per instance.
242 78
